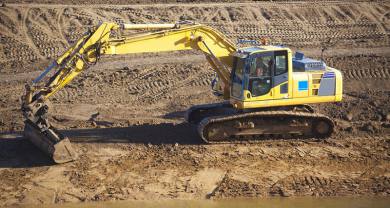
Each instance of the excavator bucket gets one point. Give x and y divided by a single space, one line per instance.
51 142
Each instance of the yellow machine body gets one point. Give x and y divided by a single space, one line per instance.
219 51
239 73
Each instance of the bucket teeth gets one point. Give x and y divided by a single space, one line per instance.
51 142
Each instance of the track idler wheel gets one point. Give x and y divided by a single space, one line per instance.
51 142
322 128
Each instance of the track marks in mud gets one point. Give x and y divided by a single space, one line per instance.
164 82
303 185
311 185
361 67
45 32
15 54
161 82
360 74
46 46
7 21
69 94
308 34
146 84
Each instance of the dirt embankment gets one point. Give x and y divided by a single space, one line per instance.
124 116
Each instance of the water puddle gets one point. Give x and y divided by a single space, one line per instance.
301 202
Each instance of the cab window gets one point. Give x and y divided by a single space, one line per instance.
261 66
260 74
237 78
280 62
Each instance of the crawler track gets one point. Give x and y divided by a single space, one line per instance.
265 124
220 123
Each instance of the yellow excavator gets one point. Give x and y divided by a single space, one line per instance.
266 88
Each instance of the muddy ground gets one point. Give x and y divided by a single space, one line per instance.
125 115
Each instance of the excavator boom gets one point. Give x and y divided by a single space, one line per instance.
108 39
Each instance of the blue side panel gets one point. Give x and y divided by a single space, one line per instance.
302 85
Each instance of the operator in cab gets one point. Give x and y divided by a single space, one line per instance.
260 72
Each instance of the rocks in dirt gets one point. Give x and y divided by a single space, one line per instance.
388 117
349 116
386 125
2 5
284 192
94 124
378 117
371 127
234 188
345 125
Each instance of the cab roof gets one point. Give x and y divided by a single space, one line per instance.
262 48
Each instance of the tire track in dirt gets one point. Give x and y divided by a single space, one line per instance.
362 67
162 83
27 35
343 23
60 28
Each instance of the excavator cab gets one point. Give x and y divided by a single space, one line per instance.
257 71
269 76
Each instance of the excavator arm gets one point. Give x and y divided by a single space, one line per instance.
109 39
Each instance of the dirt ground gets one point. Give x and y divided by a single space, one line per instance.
125 116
